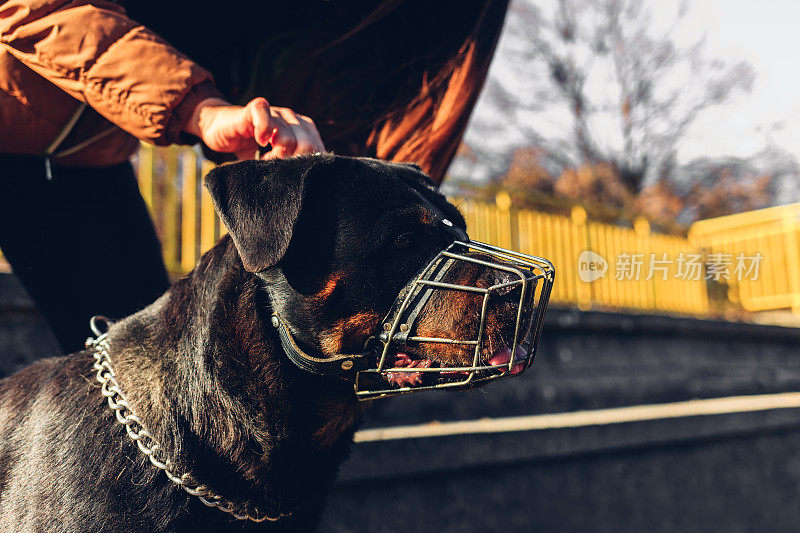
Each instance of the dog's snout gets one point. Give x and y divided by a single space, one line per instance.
504 281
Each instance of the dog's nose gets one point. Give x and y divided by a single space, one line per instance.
506 282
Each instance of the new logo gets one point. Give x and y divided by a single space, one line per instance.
591 266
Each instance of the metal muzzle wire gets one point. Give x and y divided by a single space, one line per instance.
527 278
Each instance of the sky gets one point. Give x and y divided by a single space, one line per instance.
765 34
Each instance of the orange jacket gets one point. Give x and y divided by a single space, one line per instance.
390 79
57 54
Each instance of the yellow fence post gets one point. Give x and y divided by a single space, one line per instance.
208 217
504 220
146 171
170 233
791 226
579 231
188 210
647 292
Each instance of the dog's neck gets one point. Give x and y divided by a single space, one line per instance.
205 372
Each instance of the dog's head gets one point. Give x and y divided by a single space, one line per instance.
335 239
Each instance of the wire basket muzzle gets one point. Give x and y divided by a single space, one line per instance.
522 283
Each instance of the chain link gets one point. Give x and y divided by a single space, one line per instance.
147 444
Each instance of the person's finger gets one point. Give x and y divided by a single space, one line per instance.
275 153
311 128
283 141
305 144
261 119
307 140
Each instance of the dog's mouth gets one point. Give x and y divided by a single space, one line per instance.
412 370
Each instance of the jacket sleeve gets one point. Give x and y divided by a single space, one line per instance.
94 52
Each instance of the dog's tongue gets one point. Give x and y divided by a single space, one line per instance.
503 357
407 379
411 378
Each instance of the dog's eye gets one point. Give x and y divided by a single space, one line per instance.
404 240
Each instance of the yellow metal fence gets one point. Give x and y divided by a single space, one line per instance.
643 270
170 180
563 239
772 236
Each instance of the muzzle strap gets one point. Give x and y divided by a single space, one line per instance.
342 366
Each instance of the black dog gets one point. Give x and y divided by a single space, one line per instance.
326 241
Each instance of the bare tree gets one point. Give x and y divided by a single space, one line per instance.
628 87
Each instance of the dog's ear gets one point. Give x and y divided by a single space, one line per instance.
259 202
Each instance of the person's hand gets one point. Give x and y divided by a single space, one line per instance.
242 130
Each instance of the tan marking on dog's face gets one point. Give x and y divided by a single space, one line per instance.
329 287
426 216
348 335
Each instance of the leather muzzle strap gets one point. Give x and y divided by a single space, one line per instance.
342 366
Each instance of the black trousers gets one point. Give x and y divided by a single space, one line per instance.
82 243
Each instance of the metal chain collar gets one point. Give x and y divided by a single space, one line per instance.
145 441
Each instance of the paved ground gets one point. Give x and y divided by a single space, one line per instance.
738 482
24 335
725 472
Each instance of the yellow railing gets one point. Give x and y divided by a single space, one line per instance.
171 184
773 236
563 239
170 180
